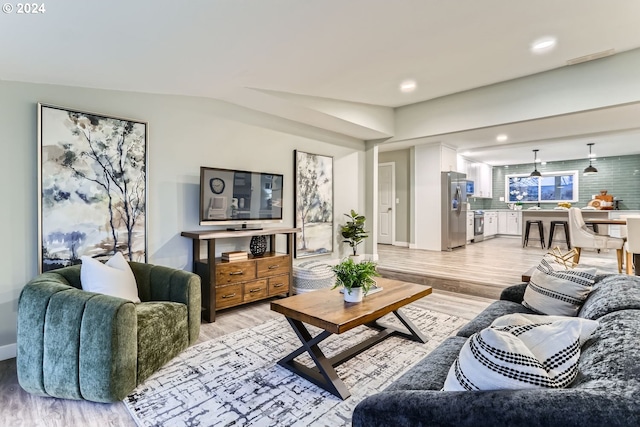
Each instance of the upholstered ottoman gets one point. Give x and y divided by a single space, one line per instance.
309 276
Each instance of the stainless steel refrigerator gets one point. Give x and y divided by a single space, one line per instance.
454 210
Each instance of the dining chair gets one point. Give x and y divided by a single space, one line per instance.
582 237
632 245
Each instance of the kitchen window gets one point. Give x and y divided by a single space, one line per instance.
551 187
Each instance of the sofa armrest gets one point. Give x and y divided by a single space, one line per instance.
159 283
514 293
75 344
524 408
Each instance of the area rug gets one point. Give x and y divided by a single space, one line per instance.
234 380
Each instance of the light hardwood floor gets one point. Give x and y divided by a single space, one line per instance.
480 269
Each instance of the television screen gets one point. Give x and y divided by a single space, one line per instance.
234 197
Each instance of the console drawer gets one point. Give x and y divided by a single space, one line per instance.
228 296
279 284
255 290
273 266
233 272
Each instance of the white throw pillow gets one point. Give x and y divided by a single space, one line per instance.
521 351
114 278
558 292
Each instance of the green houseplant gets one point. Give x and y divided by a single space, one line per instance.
353 231
356 278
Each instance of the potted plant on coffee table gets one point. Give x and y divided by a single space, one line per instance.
356 278
353 232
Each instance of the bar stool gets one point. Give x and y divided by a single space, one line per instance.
565 224
540 231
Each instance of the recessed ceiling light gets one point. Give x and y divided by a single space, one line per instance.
502 138
543 45
408 86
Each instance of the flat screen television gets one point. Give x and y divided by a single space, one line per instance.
229 196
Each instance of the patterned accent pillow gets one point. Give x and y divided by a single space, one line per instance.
521 351
558 292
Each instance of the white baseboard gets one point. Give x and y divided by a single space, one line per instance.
8 351
413 246
401 244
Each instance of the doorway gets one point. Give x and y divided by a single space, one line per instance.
386 203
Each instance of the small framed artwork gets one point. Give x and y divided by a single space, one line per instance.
92 186
313 204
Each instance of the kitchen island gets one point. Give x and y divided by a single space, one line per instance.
548 215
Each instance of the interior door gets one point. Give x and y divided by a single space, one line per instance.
386 203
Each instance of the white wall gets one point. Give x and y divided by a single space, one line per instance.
184 134
601 83
426 196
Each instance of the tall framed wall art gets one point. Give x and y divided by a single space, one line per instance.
313 204
92 185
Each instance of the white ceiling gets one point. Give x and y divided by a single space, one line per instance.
352 50
614 132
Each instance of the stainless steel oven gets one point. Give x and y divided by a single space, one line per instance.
478 226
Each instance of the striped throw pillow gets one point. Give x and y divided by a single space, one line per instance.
521 351
558 292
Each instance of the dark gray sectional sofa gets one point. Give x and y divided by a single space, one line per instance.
606 392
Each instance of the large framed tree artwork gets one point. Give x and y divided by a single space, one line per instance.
92 187
314 204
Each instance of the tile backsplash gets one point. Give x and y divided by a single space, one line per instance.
619 175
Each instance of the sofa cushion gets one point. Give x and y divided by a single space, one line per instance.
521 351
612 293
558 292
489 314
610 360
162 334
113 278
431 371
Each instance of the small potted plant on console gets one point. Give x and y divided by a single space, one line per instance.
355 278
353 233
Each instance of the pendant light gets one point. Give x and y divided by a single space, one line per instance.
535 172
590 170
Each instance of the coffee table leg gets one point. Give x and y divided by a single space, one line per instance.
325 376
414 333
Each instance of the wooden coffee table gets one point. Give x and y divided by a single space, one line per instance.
327 310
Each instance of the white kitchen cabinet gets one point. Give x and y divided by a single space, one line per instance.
502 222
510 223
484 180
480 173
490 224
469 226
514 223
462 164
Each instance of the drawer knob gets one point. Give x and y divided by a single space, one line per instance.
278 285
273 267
229 295
255 290
236 273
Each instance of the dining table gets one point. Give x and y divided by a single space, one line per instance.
617 221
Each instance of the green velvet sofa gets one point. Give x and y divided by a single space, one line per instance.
75 344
